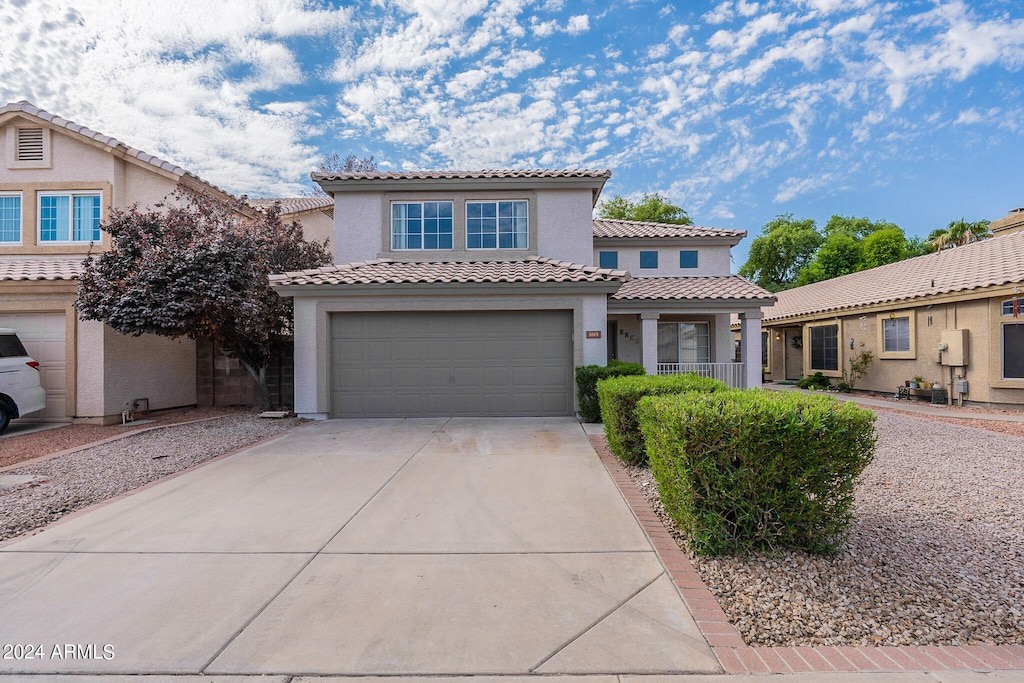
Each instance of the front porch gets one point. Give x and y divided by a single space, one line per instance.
678 325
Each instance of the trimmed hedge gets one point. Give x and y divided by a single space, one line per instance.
587 377
746 470
619 397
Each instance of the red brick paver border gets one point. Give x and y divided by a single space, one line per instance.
736 657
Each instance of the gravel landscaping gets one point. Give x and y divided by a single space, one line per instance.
934 557
58 486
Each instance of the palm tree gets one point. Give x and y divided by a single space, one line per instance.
959 233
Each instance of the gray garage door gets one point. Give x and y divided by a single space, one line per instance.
466 364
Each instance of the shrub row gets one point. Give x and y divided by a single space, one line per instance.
619 397
587 377
746 470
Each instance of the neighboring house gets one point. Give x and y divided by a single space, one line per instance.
58 181
476 293
966 299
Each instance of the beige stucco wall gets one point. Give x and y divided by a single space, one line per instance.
312 325
711 260
560 225
160 369
980 317
316 226
77 165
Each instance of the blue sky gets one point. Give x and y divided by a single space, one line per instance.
738 111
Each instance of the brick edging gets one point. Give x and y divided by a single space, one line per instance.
736 657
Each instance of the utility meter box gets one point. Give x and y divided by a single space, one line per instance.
955 352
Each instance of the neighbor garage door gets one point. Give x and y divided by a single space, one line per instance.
464 363
43 335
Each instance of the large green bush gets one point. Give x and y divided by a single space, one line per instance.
746 470
587 377
618 397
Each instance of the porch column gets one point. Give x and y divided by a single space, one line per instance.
649 341
750 342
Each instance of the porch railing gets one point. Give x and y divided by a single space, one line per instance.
732 374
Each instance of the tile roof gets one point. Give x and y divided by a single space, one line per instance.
290 205
465 175
386 271
992 262
604 227
29 109
40 267
710 287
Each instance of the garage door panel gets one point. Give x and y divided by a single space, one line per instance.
43 335
454 363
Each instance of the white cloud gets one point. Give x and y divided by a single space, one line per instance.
578 24
792 188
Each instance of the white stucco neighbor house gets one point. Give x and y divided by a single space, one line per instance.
58 182
477 293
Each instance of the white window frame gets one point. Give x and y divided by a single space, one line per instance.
422 233
21 218
909 353
839 348
497 227
706 336
71 195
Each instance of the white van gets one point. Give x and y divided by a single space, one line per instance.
20 390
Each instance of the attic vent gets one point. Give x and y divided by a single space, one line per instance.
29 144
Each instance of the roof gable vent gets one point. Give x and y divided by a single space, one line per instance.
29 144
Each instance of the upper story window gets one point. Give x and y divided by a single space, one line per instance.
608 259
648 259
688 259
497 225
69 217
421 225
10 218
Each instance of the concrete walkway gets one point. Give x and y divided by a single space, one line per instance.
378 547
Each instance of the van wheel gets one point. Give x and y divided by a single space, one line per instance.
5 416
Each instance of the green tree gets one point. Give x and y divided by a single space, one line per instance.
882 247
958 233
858 228
784 247
839 254
652 208
199 268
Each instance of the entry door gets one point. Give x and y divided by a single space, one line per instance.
794 356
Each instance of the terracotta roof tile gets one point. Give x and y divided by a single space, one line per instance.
711 287
385 271
30 109
464 175
290 205
604 227
992 262
40 267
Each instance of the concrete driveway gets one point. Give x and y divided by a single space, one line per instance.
359 547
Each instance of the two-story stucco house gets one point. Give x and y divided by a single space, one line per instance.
58 181
477 293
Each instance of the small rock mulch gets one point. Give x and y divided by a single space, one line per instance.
935 555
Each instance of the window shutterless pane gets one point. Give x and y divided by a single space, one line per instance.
694 346
492 225
608 259
648 259
668 343
86 218
54 218
825 347
1013 350
896 334
10 218
688 259
421 225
